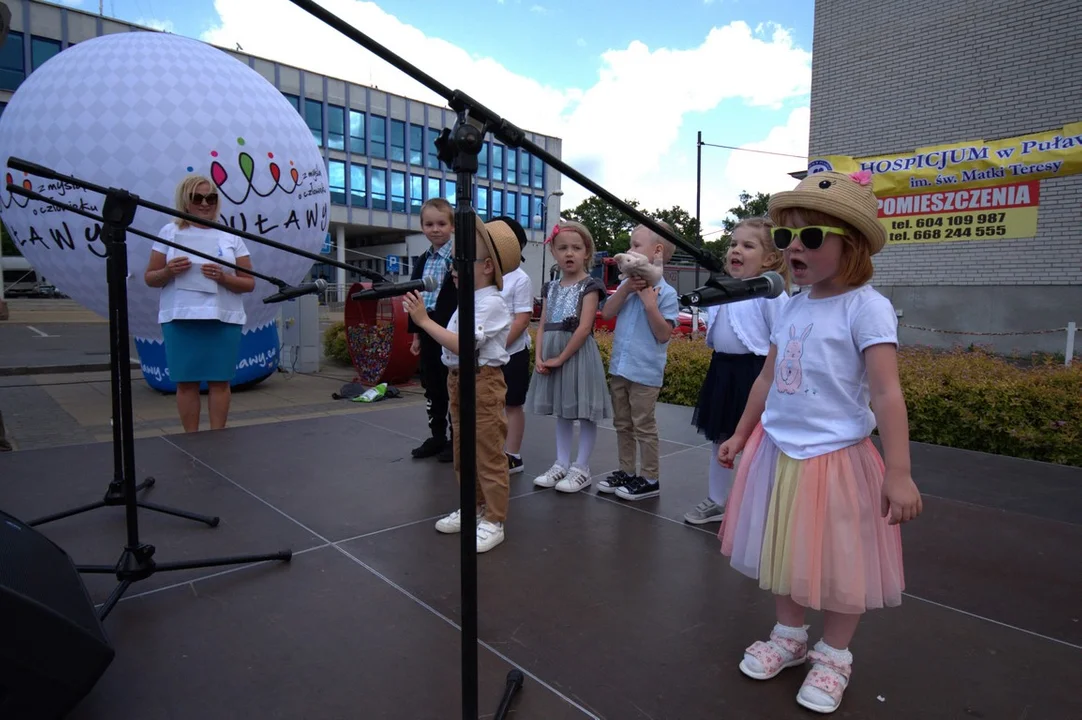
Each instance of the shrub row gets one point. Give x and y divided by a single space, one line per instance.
965 398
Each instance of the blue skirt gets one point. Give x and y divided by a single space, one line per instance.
201 350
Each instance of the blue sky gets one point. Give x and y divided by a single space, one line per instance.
626 83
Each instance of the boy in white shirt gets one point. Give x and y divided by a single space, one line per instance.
496 256
518 294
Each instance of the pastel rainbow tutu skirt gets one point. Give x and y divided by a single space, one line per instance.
812 529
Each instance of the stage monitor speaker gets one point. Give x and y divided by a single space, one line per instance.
53 649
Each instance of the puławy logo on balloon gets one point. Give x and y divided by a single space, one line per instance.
140 111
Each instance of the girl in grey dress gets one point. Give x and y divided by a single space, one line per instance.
569 376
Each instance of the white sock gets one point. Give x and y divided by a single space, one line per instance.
721 479
587 438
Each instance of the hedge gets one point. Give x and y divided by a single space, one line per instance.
967 398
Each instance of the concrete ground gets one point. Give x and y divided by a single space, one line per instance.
54 383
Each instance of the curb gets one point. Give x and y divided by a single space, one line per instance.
58 369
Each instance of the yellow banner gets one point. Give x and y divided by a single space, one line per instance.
1055 153
990 213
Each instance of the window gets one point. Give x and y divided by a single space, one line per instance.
538 172
497 202
417 145
450 187
398 191
313 116
512 174
430 148
524 168
358 196
398 142
482 162
377 141
336 180
379 189
12 65
293 100
482 203
512 204
433 188
417 185
524 210
356 132
41 50
538 210
497 162
336 127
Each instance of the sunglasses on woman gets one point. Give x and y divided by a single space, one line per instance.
198 198
811 237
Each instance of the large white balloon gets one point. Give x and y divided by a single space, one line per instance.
139 111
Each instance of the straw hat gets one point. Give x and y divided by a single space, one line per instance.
503 247
848 197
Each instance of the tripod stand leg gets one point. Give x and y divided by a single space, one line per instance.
215 562
114 496
514 684
207 520
67 513
113 598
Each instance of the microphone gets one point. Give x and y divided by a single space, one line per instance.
378 291
288 293
720 291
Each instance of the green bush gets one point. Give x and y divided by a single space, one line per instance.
334 344
966 398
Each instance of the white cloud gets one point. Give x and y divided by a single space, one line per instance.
163 25
621 131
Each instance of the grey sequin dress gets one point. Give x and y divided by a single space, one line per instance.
578 389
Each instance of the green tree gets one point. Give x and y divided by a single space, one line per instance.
683 223
610 228
750 206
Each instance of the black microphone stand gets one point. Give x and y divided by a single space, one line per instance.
459 149
136 561
115 494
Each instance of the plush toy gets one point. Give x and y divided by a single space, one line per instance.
633 264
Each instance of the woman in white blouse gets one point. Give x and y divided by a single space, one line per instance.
201 309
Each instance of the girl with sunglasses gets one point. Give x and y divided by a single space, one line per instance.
201 309
814 511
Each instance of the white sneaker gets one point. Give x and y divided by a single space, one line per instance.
552 476
489 535
576 479
453 522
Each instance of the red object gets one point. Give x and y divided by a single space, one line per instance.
378 338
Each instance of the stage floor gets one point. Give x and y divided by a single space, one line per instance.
613 610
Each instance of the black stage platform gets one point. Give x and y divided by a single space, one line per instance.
613 610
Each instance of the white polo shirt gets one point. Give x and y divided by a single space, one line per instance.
518 294
492 323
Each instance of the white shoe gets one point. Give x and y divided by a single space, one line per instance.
489 535
576 479
552 476
453 522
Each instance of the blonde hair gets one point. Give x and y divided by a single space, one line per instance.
580 230
183 196
856 262
773 258
668 248
439 205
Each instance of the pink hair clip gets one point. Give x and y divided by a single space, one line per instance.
555 232
863 177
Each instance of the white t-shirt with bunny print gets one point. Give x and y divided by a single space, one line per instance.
819 401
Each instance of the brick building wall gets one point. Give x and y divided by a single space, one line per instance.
889 77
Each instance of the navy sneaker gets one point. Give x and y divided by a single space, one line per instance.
638 488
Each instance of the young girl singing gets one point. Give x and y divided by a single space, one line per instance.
739 335
569 376
814 512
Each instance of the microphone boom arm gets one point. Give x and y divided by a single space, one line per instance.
20 190
511 135
49 174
